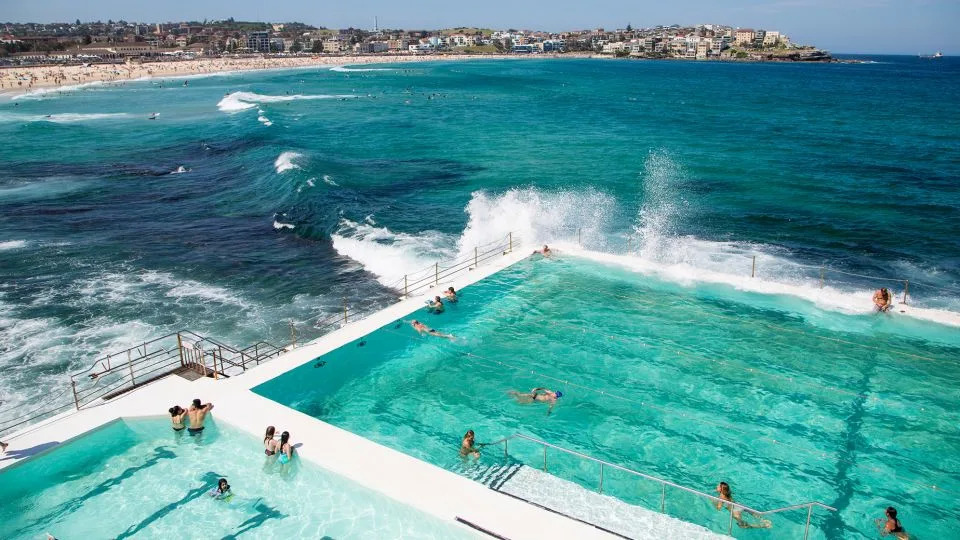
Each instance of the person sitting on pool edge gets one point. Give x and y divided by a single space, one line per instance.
891 525
881 300
467 446
724 493
435 306
424 329
450 294
198 413
538 395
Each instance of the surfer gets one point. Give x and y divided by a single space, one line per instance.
881 300
538 395
153 116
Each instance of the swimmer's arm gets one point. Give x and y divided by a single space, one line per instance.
550 408
208 407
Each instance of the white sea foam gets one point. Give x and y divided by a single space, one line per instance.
264 120
310 182
281 226
52 91
240 101
61 118
285 162
328 180
387 254
180 170
12 244
345 69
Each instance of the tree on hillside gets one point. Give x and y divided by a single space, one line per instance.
629 28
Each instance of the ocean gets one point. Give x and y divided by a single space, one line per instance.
258 198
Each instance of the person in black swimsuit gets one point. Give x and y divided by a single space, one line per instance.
176 417
269 443
892 525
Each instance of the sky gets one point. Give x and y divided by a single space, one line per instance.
840 26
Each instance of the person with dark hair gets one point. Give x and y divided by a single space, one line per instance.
881 300
176 417
423 329
451 295
222 491
538 395
724 494
435 306
890 525
198 413
468 447
3 446
269 443
285 448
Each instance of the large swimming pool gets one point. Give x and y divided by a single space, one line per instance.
139 479
696 385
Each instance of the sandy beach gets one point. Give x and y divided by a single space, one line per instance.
17 80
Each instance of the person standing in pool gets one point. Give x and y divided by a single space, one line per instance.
881 300
270 444
198 413
890 525
451 295
538 395
285 448
724 493
436 306
176 417
468 447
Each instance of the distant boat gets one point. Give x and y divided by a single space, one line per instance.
936 56
153 116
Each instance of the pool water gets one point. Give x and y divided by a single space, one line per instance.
695 385
137 478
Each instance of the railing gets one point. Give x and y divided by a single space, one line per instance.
604 467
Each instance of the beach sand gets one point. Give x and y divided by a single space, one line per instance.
17 80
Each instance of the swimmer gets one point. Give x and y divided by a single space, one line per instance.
222 491
269 443
450 294
468 447
197 413
176 417
538 395
724 493
881 300
285 448
435 306
545 251
891 525
423 329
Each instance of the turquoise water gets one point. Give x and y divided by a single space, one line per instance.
102 247
137 478
786 402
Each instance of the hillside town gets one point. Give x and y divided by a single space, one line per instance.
115 41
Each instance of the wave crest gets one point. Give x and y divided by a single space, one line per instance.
241 101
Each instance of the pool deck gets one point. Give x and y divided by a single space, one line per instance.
426 487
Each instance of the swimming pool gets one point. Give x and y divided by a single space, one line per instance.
137 478
692 384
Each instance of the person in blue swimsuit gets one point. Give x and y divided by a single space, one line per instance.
285 449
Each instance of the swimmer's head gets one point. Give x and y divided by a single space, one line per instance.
197 403
284 437
451 290
891 512
175 410
559 394
469 434
723 488
270 431
414 322
223 486
437 299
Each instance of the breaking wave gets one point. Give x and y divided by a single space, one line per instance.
285 162
345 69
390 255
241 101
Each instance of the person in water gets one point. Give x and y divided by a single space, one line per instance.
538 395
270 444
468 447
222 491
450 294
545 251
285 448
724 493
423 329
890 525
176 417
435 306
881 300
197 413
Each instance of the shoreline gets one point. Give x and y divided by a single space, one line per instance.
17 81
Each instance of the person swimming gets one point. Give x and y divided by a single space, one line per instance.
467 446
538 395
176 417
435 306
423 329
891 524
222 491
450 294
269 443
197 413
545 251
726 495
881 300
285 448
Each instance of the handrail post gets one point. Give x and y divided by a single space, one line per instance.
821 276
753 269
510 236
475 256
256 352
730 526
130 365
436 274
906 288
663 497
806 529
601 479
344 311
506 455
76 401
404 285
293 334
579 238
179 348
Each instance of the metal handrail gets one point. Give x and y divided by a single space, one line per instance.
664 483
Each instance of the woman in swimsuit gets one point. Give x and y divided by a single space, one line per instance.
285 448
451 295
892 525
467 446
176 416
269 443
724 493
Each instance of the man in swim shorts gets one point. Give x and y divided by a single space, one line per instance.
423 329
197 413
538 395
881 300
